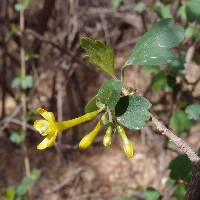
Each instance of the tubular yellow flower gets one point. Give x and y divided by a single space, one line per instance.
127 144
50 128
79 120
89 138
107 140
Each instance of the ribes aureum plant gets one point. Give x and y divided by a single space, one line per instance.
118 106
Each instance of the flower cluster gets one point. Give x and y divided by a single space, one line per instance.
50 128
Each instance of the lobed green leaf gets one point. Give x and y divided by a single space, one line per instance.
109 93
132 111
180 168
99 54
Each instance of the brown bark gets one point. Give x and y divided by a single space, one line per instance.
193 192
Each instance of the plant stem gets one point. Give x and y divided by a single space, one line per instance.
180 144
23 98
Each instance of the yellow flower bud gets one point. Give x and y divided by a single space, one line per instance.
89 138
104 119
107 140
127 145
128 148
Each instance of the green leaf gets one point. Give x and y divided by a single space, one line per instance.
163 11
109 93
190 32
151 194
91 105
140 7
153 47
132 111
17 137
99 54
170 182
31 55
193 111
22 5
180 191
27 183
27 82
128 198
193 11
149 69
179 122
116 3
13 30
159 81
10 193
180 168
177 66
16 82
182 12
22 82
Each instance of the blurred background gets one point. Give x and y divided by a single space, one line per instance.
42 65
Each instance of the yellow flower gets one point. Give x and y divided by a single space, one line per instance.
89 138
107 139
127 144
50 128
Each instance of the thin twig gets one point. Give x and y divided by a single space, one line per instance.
189 56
23 98
180 144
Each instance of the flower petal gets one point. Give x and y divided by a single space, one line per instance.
49 116
47 142
45 127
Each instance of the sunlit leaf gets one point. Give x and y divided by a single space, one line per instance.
21 5
10 193
153 48
151 194
99 54
140 7
163 11
17 137
180 191
193 111
116 3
